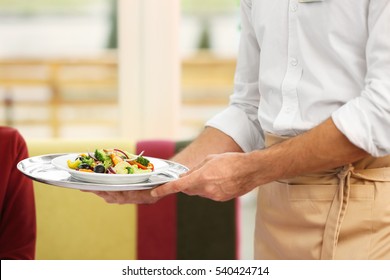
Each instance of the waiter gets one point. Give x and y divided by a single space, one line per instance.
308 124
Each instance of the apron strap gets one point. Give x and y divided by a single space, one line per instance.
336 214
339 204
374 174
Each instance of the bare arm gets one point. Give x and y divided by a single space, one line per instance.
210 141
321 148
225 176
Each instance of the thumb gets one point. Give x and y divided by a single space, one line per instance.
166 189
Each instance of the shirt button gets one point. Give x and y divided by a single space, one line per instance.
294 62
294 7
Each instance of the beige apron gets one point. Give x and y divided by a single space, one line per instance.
336 214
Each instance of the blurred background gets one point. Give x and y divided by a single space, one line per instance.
59 65
118 69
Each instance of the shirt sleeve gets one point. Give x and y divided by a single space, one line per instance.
240 119
18 220
365 120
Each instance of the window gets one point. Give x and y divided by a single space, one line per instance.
58 68
209 44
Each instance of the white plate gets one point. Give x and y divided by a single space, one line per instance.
61 163
41 169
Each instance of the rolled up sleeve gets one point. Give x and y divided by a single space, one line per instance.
240 119
365 120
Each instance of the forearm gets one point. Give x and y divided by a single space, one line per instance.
210 141
321 148
227 175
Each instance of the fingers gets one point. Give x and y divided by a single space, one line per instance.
188 184
173 187
127 197
166 189
109 198
198 166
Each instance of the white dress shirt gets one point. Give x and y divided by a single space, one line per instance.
303 61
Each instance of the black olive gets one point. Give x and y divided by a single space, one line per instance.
99 169
84 166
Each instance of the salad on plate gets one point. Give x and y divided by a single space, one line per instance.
111 161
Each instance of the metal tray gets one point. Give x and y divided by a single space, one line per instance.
40 169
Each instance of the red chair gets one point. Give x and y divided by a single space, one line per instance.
185 227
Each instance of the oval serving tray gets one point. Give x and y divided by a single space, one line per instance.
41 169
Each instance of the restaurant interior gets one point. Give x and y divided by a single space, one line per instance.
78 75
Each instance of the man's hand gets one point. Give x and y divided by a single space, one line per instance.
219 177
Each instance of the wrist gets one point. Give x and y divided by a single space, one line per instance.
265 166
